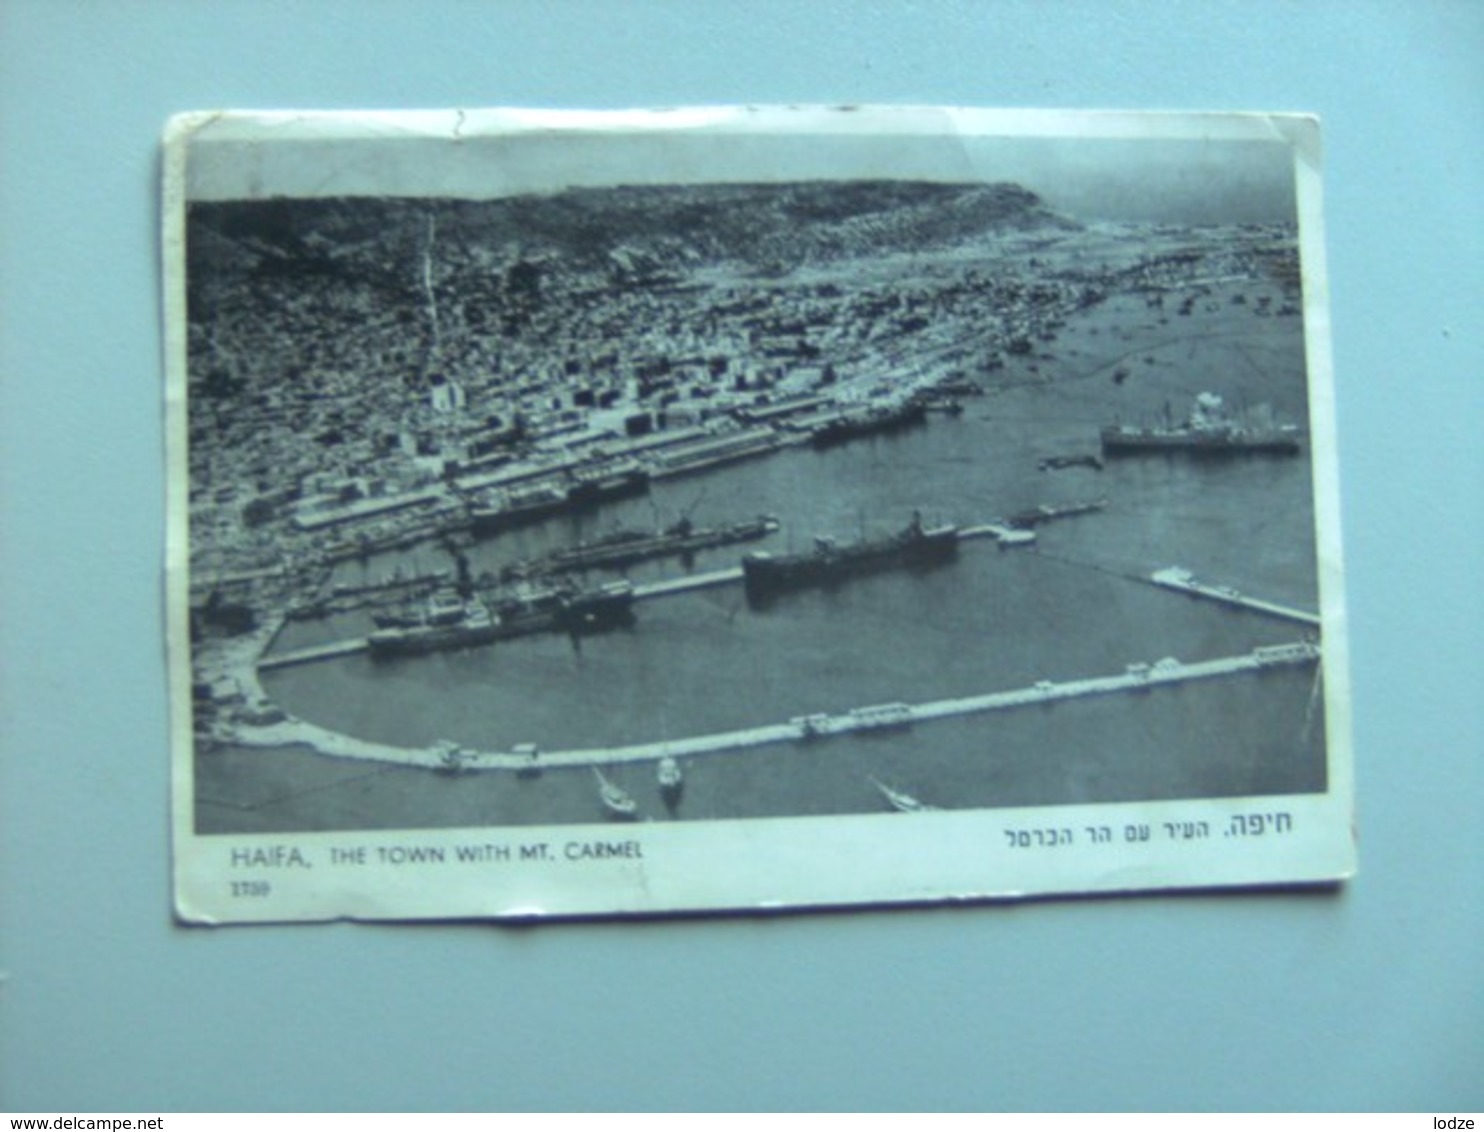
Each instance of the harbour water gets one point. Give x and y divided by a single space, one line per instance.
1075 604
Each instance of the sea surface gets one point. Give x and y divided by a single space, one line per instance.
1076 604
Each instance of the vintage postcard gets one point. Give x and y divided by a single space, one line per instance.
652 512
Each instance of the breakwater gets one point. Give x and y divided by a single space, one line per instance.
1137 677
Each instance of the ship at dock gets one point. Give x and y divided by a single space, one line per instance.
625 480
1210 429
476 621
535 502
626 547
914 547
513 509
878 417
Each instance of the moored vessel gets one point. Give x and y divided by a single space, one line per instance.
530 610
1209 430
443 607
607 606
475 625
623 548
882 417
517 509
915 546
589 488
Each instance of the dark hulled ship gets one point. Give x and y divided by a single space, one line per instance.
916 546
624 548
590 488
856 423
516 509
533 503
558 609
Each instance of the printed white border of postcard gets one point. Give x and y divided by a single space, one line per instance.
906 851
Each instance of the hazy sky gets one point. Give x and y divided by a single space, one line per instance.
1194 169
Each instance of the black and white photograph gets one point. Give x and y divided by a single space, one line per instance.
726 509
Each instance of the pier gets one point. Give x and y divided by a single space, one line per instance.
805 730
687 582
1007 535
316 652
1175 578
346 598
1002 533
683 584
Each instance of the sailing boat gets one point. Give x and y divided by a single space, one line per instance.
616 801
904 803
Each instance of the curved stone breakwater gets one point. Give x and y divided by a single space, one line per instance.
1136 677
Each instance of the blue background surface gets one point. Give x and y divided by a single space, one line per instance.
1372 998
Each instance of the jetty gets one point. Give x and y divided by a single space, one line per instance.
1176 578
1006 533
313 653
687 582
349 647
1002 533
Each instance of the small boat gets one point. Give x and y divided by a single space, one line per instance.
950 405
672 779
616 801
903 803
452 759
1057 463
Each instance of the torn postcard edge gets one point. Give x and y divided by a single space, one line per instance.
724 509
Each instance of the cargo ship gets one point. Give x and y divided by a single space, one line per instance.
517 509
556 609
862 422
625 547
475 624
1208 430
443 607
764 574
625 481
606 607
